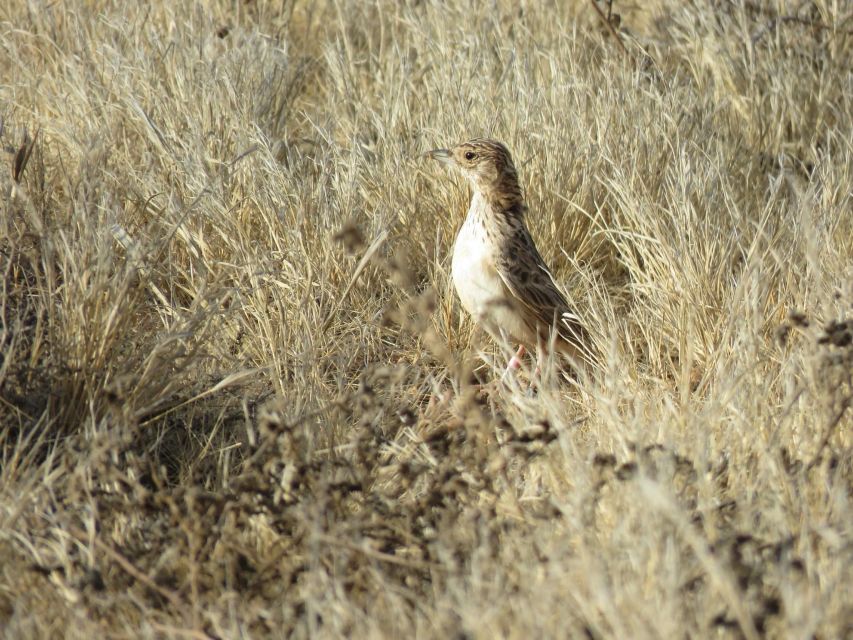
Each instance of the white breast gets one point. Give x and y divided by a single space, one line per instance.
477 281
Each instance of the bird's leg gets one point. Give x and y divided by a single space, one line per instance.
514 362
541 354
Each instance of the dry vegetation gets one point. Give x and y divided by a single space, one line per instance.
235 384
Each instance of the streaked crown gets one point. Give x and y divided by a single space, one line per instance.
488 166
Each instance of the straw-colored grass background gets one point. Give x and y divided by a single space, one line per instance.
235 390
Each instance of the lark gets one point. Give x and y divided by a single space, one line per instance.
498 273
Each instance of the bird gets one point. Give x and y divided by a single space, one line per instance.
497 271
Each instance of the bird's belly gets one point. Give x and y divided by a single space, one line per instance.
480 288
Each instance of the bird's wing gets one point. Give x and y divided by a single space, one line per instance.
532 286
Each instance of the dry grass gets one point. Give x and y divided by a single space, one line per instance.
219 421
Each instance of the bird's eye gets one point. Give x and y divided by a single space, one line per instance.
470 155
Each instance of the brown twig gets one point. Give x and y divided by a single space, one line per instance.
830 429
128 567
610 27
775 18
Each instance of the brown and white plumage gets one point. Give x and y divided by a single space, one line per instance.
498 273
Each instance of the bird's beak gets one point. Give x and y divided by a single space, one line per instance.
442 155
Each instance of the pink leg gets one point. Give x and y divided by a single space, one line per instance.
541 353
515 361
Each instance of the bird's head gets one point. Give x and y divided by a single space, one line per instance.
486 163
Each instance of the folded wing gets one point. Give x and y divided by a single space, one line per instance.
532 286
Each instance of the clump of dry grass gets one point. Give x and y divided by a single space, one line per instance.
235 383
